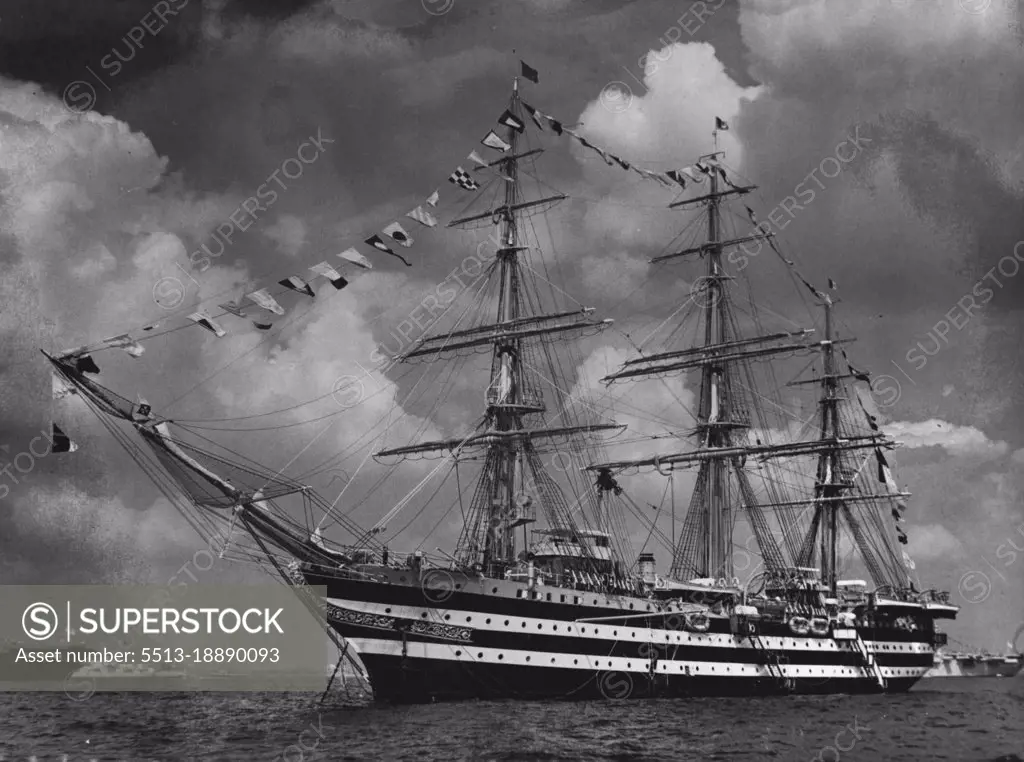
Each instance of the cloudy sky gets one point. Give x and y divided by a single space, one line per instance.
127 139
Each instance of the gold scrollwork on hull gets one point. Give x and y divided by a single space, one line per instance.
444 631
360 618
379 622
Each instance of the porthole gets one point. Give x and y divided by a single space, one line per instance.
506 623
501 656
552 659
458 653
631 607
458 587
527 658
480 655
469 619
488 621
447 617
401 579
539 625
524 624
387 610
424 615
494 589
575 661
554 627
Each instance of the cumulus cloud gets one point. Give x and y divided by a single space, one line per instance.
87 257
667 124
932 542
956 440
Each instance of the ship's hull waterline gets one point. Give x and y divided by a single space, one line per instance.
490 639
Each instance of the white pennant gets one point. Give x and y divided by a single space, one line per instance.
263 298
352 255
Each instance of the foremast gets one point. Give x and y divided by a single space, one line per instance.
513 479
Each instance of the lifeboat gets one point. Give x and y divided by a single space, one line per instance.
819 626
698 622
799 625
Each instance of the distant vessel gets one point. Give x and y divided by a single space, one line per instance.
119 671
975 665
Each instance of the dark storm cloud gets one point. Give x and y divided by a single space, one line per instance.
948 179
57 42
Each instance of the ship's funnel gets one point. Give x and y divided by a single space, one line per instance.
646 564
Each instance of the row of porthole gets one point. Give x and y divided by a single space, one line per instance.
646 665
615 633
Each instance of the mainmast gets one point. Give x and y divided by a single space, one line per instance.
829 475
513 479
705 544
714 416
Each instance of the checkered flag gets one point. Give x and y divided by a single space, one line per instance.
461 178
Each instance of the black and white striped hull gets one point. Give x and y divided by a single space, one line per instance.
488 639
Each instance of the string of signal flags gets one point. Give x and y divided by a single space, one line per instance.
260 306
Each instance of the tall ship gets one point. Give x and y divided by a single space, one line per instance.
544 594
